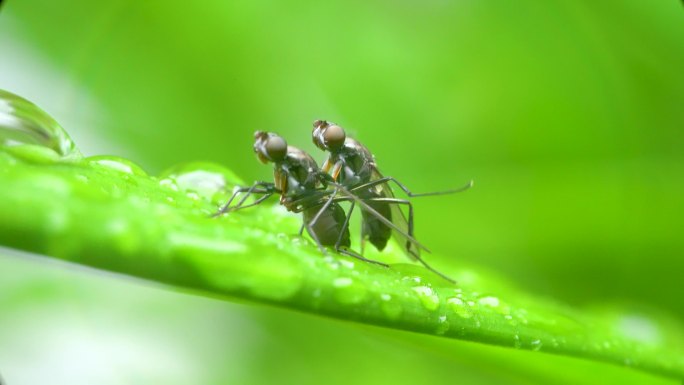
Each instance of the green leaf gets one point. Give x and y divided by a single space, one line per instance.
105 212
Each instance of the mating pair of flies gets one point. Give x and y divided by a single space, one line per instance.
348 175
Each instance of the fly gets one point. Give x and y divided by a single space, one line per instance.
304 188
353 166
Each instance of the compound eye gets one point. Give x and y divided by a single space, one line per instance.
276 148
316 134
334 137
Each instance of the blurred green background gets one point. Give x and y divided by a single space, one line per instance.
569 115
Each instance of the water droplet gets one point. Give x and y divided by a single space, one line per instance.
459 307
34 153
427 297
443 325
209 181
24 123
342 282
168 183
536 345
413 278
639 328
194 196
516 341
116 163
391 309
489 301
348 291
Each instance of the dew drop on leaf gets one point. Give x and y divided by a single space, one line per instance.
117 164
209 181
427 297
22 123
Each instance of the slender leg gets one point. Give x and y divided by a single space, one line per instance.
406 190
349 196
266 185
323 208
344 226
225 207
256 202
310 225
268 189
410 214
346 251
422 262
315 238
350 253
410 232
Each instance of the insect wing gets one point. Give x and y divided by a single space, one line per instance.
398 217
346 195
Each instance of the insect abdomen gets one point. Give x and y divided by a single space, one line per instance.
377 232
329 225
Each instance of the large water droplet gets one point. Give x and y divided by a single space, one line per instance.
116 163
208 180
23 123
639 328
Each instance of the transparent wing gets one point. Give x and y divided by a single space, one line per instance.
398 218
345 195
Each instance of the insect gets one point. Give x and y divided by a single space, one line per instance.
304 188
353 166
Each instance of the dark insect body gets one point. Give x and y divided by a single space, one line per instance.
303 188
353 166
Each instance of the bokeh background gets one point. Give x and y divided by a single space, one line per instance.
568 114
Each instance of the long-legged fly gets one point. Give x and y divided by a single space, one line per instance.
353 166
304 188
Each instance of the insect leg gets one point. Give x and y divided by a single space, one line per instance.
349 196
422 262
410 232
344 226
408 192
310 225
350 253
268 189
256 202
